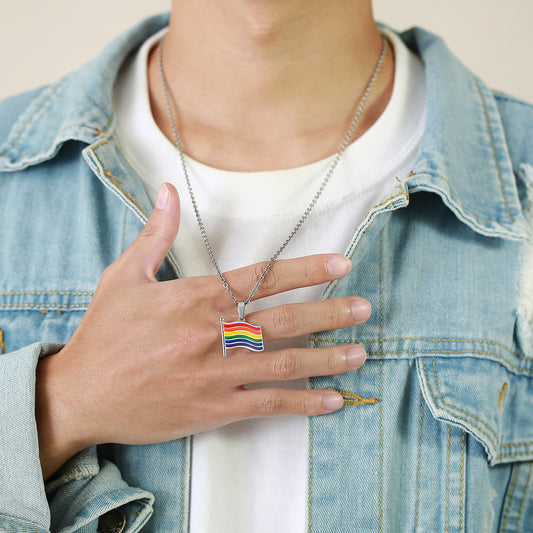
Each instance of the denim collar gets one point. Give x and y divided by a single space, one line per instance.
464 157
77 107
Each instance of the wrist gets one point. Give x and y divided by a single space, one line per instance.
58 426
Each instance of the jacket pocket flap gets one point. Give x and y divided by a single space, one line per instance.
482 397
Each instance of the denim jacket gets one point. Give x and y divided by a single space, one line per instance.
437 429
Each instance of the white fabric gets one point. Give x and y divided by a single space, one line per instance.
251 476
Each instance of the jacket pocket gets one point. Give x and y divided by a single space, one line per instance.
485 399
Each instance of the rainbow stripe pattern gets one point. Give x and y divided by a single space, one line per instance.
241 334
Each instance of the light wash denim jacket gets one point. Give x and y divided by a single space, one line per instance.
437 430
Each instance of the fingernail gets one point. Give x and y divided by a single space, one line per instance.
162 197
361 309
338 266
333 401
356 356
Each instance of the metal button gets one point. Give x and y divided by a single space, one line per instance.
113 521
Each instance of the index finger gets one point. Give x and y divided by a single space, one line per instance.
287 274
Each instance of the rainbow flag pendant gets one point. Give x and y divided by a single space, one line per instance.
241 334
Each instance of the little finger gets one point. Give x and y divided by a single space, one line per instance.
258 403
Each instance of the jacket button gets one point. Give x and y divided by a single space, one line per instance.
113 521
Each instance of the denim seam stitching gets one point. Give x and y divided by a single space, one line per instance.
509 498
530 371
417 503
462 486
381 382
117 146
310 463
447 522
42 151
40 293
523 498
516 444
390 199
2 342
354 243
182 498
30 119
45 305
103 132
436 339
368 341
499 456
460 410
31 529
517 454
453 196
495 355
352 248
489 129
111 177
456 415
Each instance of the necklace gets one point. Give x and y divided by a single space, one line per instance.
242 333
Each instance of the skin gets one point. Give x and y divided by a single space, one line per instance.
153 351
145 363
268 84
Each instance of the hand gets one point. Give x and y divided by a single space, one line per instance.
145 364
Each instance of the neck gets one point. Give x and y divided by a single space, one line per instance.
266 84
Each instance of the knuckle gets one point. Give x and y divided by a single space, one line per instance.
308 270
196 338
333 361
212 334
150 229
306 406
108 274
285 321
255 272
285 366
271 279
336 314
189 293
270 405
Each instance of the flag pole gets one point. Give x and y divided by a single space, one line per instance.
225 353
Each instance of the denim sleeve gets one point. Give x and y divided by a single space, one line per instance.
81 491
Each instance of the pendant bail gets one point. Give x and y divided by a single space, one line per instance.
240 308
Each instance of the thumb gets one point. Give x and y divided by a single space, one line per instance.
149 249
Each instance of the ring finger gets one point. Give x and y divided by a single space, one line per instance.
297 363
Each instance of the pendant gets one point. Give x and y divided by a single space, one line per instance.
241 334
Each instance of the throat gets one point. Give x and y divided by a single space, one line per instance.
267 93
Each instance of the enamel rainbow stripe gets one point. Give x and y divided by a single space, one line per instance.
241 334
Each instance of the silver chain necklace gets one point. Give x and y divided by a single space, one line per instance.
243 334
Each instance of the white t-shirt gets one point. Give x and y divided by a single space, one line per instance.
251 476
